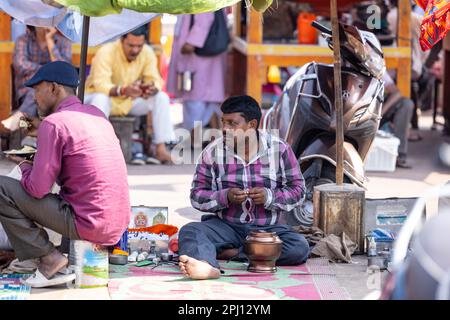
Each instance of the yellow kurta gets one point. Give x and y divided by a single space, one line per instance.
110 68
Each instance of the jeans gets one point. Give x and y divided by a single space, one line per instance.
203 240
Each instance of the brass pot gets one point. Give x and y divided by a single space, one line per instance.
262 250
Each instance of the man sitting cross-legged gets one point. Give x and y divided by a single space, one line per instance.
247 179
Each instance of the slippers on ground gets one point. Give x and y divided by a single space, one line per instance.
401 163
38 280
414 137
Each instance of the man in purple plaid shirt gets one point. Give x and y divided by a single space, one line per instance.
248 180
37 47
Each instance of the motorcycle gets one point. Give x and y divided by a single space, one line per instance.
305 114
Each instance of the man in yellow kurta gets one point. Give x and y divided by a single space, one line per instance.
124 80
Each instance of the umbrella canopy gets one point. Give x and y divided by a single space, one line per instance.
104 7
436 22
111 18
70 23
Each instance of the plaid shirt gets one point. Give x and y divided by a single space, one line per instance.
29 57
274 168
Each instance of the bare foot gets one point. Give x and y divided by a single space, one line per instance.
197 270
162 154
51 263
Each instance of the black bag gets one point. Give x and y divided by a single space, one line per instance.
218 37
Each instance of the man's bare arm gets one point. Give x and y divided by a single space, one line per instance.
394 96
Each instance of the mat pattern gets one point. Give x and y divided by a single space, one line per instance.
12 289
315 280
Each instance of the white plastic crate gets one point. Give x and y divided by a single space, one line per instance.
383 153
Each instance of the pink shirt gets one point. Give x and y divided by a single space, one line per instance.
77 147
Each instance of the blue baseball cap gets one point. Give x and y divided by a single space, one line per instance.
60 72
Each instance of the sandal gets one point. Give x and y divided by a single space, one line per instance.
402 163
38 280
414 137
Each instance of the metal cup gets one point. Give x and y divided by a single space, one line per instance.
184 81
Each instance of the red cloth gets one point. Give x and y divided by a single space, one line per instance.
436 22
157 229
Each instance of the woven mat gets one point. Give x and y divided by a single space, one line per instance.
315 280
12 289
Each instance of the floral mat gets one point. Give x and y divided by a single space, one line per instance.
314 280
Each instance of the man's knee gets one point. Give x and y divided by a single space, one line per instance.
297 250
6 183
189 229
408 105
101 101
7 187
162 100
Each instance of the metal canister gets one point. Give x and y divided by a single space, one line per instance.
89 262
187 81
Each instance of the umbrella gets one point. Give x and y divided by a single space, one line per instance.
103 7
111 18
436 22
70 23
74 26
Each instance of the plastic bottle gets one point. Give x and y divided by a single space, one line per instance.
372 251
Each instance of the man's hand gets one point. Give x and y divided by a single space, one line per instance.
236 195
50 33
187 49
258 195
30 124
15 159
148 90
134 91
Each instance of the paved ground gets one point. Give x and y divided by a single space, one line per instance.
169 186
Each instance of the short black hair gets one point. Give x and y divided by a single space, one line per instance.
140 31
245 105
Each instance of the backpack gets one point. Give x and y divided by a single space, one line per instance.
218 36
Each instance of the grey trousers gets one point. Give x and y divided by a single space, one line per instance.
20 213
400 116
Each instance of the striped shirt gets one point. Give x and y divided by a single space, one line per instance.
274 168
29 57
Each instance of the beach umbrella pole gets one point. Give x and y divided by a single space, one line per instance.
83 59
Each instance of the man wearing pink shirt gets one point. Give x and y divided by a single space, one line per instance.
77 148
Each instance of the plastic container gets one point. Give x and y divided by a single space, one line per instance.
89 262
382 156
306 33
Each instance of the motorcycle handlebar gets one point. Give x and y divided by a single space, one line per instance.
321 28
